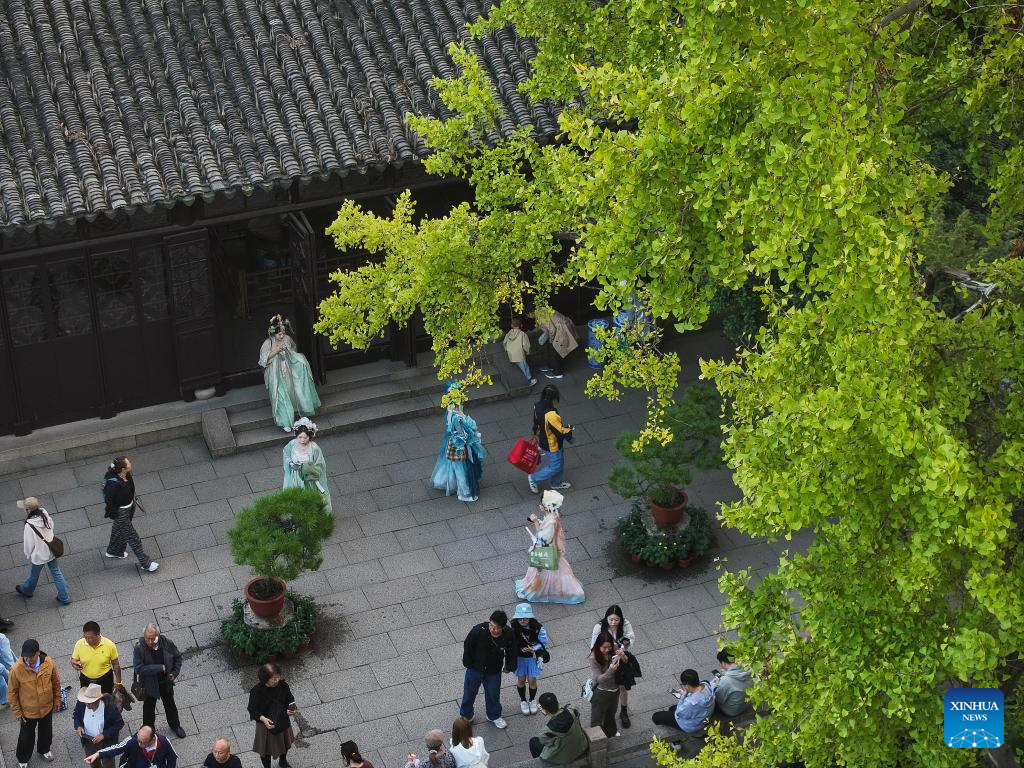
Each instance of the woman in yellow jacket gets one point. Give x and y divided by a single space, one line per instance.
551 434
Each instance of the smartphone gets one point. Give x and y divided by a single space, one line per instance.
293 705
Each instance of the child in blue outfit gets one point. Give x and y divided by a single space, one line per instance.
531 641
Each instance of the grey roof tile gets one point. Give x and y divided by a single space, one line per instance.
109 106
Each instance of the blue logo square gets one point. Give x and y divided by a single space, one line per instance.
973 718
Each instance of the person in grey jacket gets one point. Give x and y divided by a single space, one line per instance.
157 663
733 682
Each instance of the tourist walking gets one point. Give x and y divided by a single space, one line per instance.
34 693
38 543
304 465
95 658
120 500
287 375
460 462
559 331
97 721
546 584
488 649
157 663
621 631
353 759
271 706
531 641
604 663
220 756
551 433
468 750
7 659
517 347
147 749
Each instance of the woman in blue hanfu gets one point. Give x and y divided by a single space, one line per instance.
287 374
304 465
459 463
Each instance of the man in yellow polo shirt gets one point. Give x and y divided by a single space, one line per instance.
95 658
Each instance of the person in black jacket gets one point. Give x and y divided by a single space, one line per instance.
146 749
103 726
488 649
271 705
157 663
119 500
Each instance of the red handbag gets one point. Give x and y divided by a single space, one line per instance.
525 455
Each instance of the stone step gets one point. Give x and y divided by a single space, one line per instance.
342 399
344 420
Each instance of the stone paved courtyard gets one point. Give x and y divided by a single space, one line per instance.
405 575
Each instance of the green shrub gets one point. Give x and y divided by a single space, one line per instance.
658 472
260 644
280 535
663 547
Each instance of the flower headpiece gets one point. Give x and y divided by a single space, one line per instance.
304 422
278 323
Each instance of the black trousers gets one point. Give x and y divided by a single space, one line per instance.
666 717
105 682
27 737
535 747
170 708
90 748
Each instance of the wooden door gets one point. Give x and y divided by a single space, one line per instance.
53 341
194 324
303 252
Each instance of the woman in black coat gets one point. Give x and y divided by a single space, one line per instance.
271 705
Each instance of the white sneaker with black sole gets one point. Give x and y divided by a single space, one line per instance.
115 557
561 487
153 565
499 723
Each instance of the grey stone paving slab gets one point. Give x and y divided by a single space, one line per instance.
169 501
185 614
411 563
348 682
335 714
48 482
376 621
410 470
464 550
200 584
422 637
175 477
425 536
186 540
208 512
386 521
389 701
370 548
356 651
431 607
394 591
404 669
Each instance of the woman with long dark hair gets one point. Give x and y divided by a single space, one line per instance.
353 759
467 749
304 464
621 631
38 535
272 706
119 497
551 433
604 663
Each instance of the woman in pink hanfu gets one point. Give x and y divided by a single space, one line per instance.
542 586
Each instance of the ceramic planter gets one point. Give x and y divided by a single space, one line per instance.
266 609
665 516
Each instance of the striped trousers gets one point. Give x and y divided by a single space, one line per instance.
122 534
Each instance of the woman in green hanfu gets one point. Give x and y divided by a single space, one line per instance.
304 465
287 374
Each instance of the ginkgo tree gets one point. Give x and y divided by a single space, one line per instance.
785 144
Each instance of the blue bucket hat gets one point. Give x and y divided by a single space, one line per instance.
523 611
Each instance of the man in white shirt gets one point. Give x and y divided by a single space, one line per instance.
97 721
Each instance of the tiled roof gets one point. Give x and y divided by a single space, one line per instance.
114 104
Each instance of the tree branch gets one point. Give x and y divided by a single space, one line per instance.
907 8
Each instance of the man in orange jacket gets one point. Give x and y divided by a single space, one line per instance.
34 694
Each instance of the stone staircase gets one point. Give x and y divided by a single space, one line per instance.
353 398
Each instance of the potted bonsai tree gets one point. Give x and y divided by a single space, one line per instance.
658 472
279 536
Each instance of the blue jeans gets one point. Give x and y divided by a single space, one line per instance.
3 684
28 586
551 467
492 694
525 368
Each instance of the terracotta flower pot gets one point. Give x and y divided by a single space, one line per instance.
634 558
668 566
664 516
686 562
266 609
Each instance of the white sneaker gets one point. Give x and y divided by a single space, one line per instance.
524 707
48 757
22 765
287 429
534 707
115 557
533 485
153 565
532 382
561 487
499 722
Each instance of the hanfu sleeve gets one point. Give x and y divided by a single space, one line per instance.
264 353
